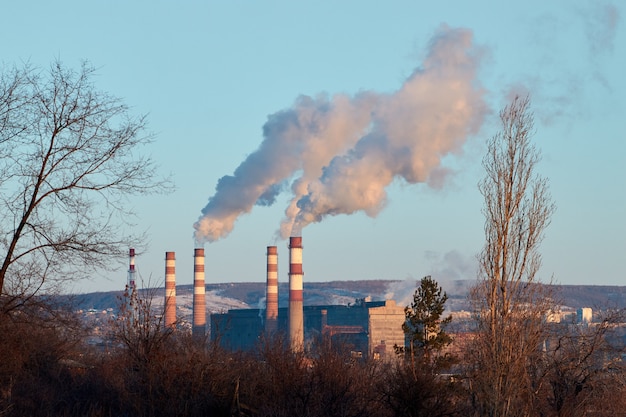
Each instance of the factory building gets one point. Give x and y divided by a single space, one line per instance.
385 329
584 315
370 328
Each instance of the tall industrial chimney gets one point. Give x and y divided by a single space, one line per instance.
296 316
199 302
170 290
271 292
131 284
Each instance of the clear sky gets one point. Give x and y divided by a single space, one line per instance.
222 81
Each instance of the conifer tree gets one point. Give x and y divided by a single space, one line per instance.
424 327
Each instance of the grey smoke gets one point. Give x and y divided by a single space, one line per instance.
452 266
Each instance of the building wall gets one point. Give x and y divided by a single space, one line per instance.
237 329
242 329
584 315
385 330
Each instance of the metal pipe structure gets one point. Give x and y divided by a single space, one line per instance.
170 290
271 291
199 302
296 316
131 284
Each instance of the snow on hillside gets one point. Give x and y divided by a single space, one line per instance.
215 303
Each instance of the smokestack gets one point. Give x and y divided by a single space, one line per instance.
271 292
324 319
199 303
170 289
296 317
132 286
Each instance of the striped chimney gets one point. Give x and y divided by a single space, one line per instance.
132 285
199 303
271 292
296 317
170 289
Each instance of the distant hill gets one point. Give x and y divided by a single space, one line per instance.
598 297
225 296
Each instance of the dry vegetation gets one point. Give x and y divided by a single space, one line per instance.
147 371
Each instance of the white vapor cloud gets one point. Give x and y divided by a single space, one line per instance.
337 154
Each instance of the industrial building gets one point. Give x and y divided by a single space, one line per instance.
369 328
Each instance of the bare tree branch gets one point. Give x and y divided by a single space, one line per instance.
510 305
69 159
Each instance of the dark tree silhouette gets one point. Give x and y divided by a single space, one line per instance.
69 157
425 324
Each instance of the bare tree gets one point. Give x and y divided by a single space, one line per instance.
510 302
327 381
36 350
139 326
69 158
584 367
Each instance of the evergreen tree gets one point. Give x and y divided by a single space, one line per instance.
424 326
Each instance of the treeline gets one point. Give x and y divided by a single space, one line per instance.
148 371
48 370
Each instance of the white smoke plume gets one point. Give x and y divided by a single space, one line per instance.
452 266
341 152
402 291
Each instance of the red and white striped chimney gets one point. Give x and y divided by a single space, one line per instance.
170 289
199 302
132 285
296 316
271 292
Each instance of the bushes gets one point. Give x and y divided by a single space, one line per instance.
324 382
38 355
46 371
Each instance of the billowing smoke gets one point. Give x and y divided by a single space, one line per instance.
338 154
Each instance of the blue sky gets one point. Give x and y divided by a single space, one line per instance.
210 75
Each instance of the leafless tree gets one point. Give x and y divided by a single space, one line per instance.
37 349
156 367
583 366
69 158
326 381
510 302
408 392
139 326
